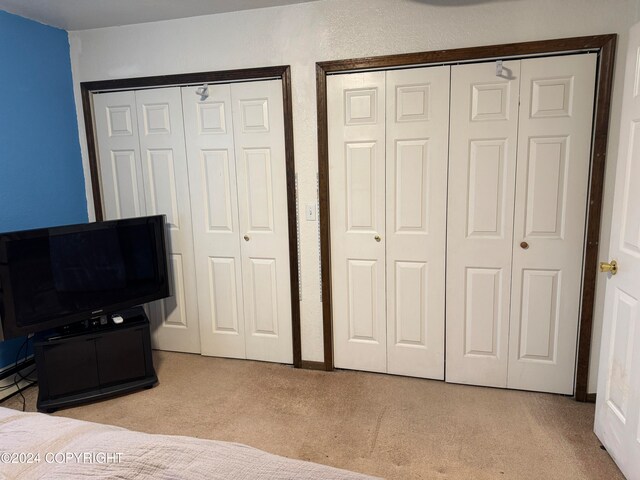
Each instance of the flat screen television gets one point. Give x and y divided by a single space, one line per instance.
52 277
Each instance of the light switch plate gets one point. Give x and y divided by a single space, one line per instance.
310 212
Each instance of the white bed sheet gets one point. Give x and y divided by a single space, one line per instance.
50 447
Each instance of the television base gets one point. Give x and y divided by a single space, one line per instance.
95 364
50 406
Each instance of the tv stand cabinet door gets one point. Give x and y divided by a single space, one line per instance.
67 367
121 356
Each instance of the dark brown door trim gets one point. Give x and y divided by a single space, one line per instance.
226 76
603 45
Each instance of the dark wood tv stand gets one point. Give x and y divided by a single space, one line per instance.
94 363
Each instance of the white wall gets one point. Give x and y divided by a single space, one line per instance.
301 35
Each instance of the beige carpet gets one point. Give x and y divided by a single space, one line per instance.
393 427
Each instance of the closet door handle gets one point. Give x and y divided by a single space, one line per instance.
377 238
247 238
524 245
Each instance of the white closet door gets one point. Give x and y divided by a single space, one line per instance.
417 136
356 120
554 145
166 184
212 171
482 167
119 151
258 120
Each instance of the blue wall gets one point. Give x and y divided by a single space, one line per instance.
41 179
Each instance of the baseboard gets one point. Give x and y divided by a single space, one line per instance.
309 365
7 375
591 397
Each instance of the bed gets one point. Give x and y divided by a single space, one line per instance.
38 446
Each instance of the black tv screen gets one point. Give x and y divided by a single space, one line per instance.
55 276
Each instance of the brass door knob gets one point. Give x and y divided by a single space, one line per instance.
377 238
609 267
524 245
247 238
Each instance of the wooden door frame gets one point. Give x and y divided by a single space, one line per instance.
603 45
283 73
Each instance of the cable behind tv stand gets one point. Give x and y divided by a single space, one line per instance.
86 365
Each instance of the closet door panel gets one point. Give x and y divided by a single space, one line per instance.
258 120
166 185
482 169
417 117
212 172
555 124
356 114
119 151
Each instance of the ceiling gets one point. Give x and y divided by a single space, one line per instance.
86 14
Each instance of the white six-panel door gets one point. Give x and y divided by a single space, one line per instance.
356 113
617 422
388 171
554 149
212 171
516 220
258 120
166 186
236 158
417 116
482 169
214 164
517 146
143 172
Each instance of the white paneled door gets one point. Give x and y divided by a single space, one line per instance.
216 235
143 172
554 150
387 169
212 159
356 112
258 119
166 186
458 199
416 191
236 157
617 421
482 170
119 151
518 178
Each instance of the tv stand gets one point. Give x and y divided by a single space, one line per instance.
84 365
